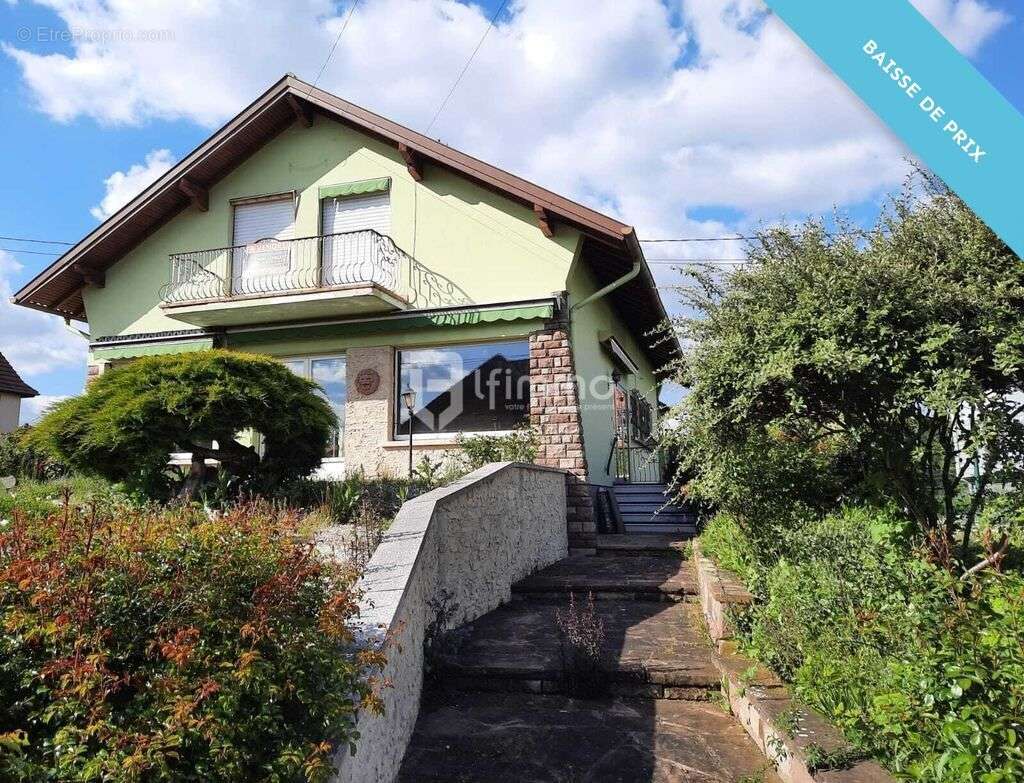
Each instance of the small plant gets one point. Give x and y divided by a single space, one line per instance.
581 636
440 639
342 498
368 529
843 757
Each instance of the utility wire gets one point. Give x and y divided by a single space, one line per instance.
697 239
466 66
30 252
37 241
330 54
697 260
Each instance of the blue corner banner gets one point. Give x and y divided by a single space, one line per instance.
946 112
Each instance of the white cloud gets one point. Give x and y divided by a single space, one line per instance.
966 23
34 342
123 186
33 408
645 109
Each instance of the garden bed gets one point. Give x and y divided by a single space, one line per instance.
799 741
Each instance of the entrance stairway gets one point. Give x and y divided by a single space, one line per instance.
645 508
496 709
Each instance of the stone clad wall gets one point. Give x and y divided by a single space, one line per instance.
555 413
369 419
468 543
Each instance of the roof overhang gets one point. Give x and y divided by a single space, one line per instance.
58 288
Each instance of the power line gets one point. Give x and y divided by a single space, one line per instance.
30 252
699 238
466 66
697 260
330 54
37 241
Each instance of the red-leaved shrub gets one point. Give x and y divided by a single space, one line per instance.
166 646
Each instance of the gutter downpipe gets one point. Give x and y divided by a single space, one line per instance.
638 265
75 330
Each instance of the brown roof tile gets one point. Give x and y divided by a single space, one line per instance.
11 382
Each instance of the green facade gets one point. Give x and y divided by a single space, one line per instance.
488 245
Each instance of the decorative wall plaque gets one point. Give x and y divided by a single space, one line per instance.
367 382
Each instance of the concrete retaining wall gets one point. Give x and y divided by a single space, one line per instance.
467 543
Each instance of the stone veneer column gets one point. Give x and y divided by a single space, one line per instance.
555 414
368 417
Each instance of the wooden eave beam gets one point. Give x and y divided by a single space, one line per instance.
60 305
412 161
301 109
90 276
547 225
199 195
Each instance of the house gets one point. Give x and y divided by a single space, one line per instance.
12 391
373 260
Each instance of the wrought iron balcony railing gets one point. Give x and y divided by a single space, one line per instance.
274 267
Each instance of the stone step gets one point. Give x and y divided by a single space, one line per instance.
650 650
475 738
634 528
646 544
637 577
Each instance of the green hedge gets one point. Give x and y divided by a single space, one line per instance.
922 671
168 646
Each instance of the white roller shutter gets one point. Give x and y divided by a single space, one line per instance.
255 264
356 213
355 257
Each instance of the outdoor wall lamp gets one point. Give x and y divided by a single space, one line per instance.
409 399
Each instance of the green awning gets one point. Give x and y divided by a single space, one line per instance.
131 351
467 317
363 186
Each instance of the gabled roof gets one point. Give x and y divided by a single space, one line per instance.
58 288
11 382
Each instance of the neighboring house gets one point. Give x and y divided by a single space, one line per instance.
373 259
12 391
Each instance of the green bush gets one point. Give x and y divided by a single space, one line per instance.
921 670
480 450
41 498
131 418
146 646
20 459
725 542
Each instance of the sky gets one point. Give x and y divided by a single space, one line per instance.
684 118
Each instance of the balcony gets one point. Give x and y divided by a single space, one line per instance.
351 274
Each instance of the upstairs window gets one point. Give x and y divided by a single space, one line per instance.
261 228
351 254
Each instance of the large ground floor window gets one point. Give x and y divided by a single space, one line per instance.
329 372
483 387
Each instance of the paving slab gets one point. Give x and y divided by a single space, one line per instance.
633 576
478 738
645 642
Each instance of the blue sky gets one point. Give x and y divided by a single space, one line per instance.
563 87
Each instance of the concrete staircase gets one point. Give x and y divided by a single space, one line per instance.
645 508
497 708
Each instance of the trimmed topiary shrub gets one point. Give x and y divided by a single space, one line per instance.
131 418
145 646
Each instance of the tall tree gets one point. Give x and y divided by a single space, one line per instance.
850 364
